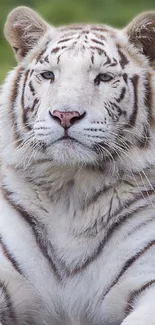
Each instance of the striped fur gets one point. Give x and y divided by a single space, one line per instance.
77 217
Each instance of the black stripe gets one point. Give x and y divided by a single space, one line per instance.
116 108
40 55
31 72
29 109
139 226
134 81
85 32
134 295
123 59
7 314
148 97
125 77
65 40
127 265
122 94
55 50
108 61
23 88
98 49
32 88
92 59
24 110
14 94
14 90
46 59
98 42
100 29
36 101
68 34
114 62
9 256
58 58
143 141
100 36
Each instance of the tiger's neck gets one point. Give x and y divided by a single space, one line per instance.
71 188
58 185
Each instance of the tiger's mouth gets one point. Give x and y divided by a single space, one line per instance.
68 142
68 138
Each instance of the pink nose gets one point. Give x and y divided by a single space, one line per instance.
66 119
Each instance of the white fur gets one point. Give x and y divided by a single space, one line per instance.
57 193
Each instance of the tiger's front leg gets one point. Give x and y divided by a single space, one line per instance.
19 301
142 308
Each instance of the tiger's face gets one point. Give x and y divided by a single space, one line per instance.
82 94
78 97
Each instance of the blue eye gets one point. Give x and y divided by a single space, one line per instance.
48 75
103 77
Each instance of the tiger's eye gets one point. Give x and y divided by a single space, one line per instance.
48 75
103 77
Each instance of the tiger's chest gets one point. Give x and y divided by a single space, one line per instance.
79 272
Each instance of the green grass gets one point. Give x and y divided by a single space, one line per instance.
113 12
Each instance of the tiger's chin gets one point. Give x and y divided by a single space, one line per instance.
68 152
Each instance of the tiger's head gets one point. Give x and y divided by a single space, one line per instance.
81 94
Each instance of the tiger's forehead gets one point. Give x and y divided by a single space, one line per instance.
85 35
101 31
78 39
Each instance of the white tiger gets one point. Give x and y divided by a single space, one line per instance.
77 204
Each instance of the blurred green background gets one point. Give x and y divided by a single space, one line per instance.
113 12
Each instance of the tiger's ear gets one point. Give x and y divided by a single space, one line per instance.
23 29
141 33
